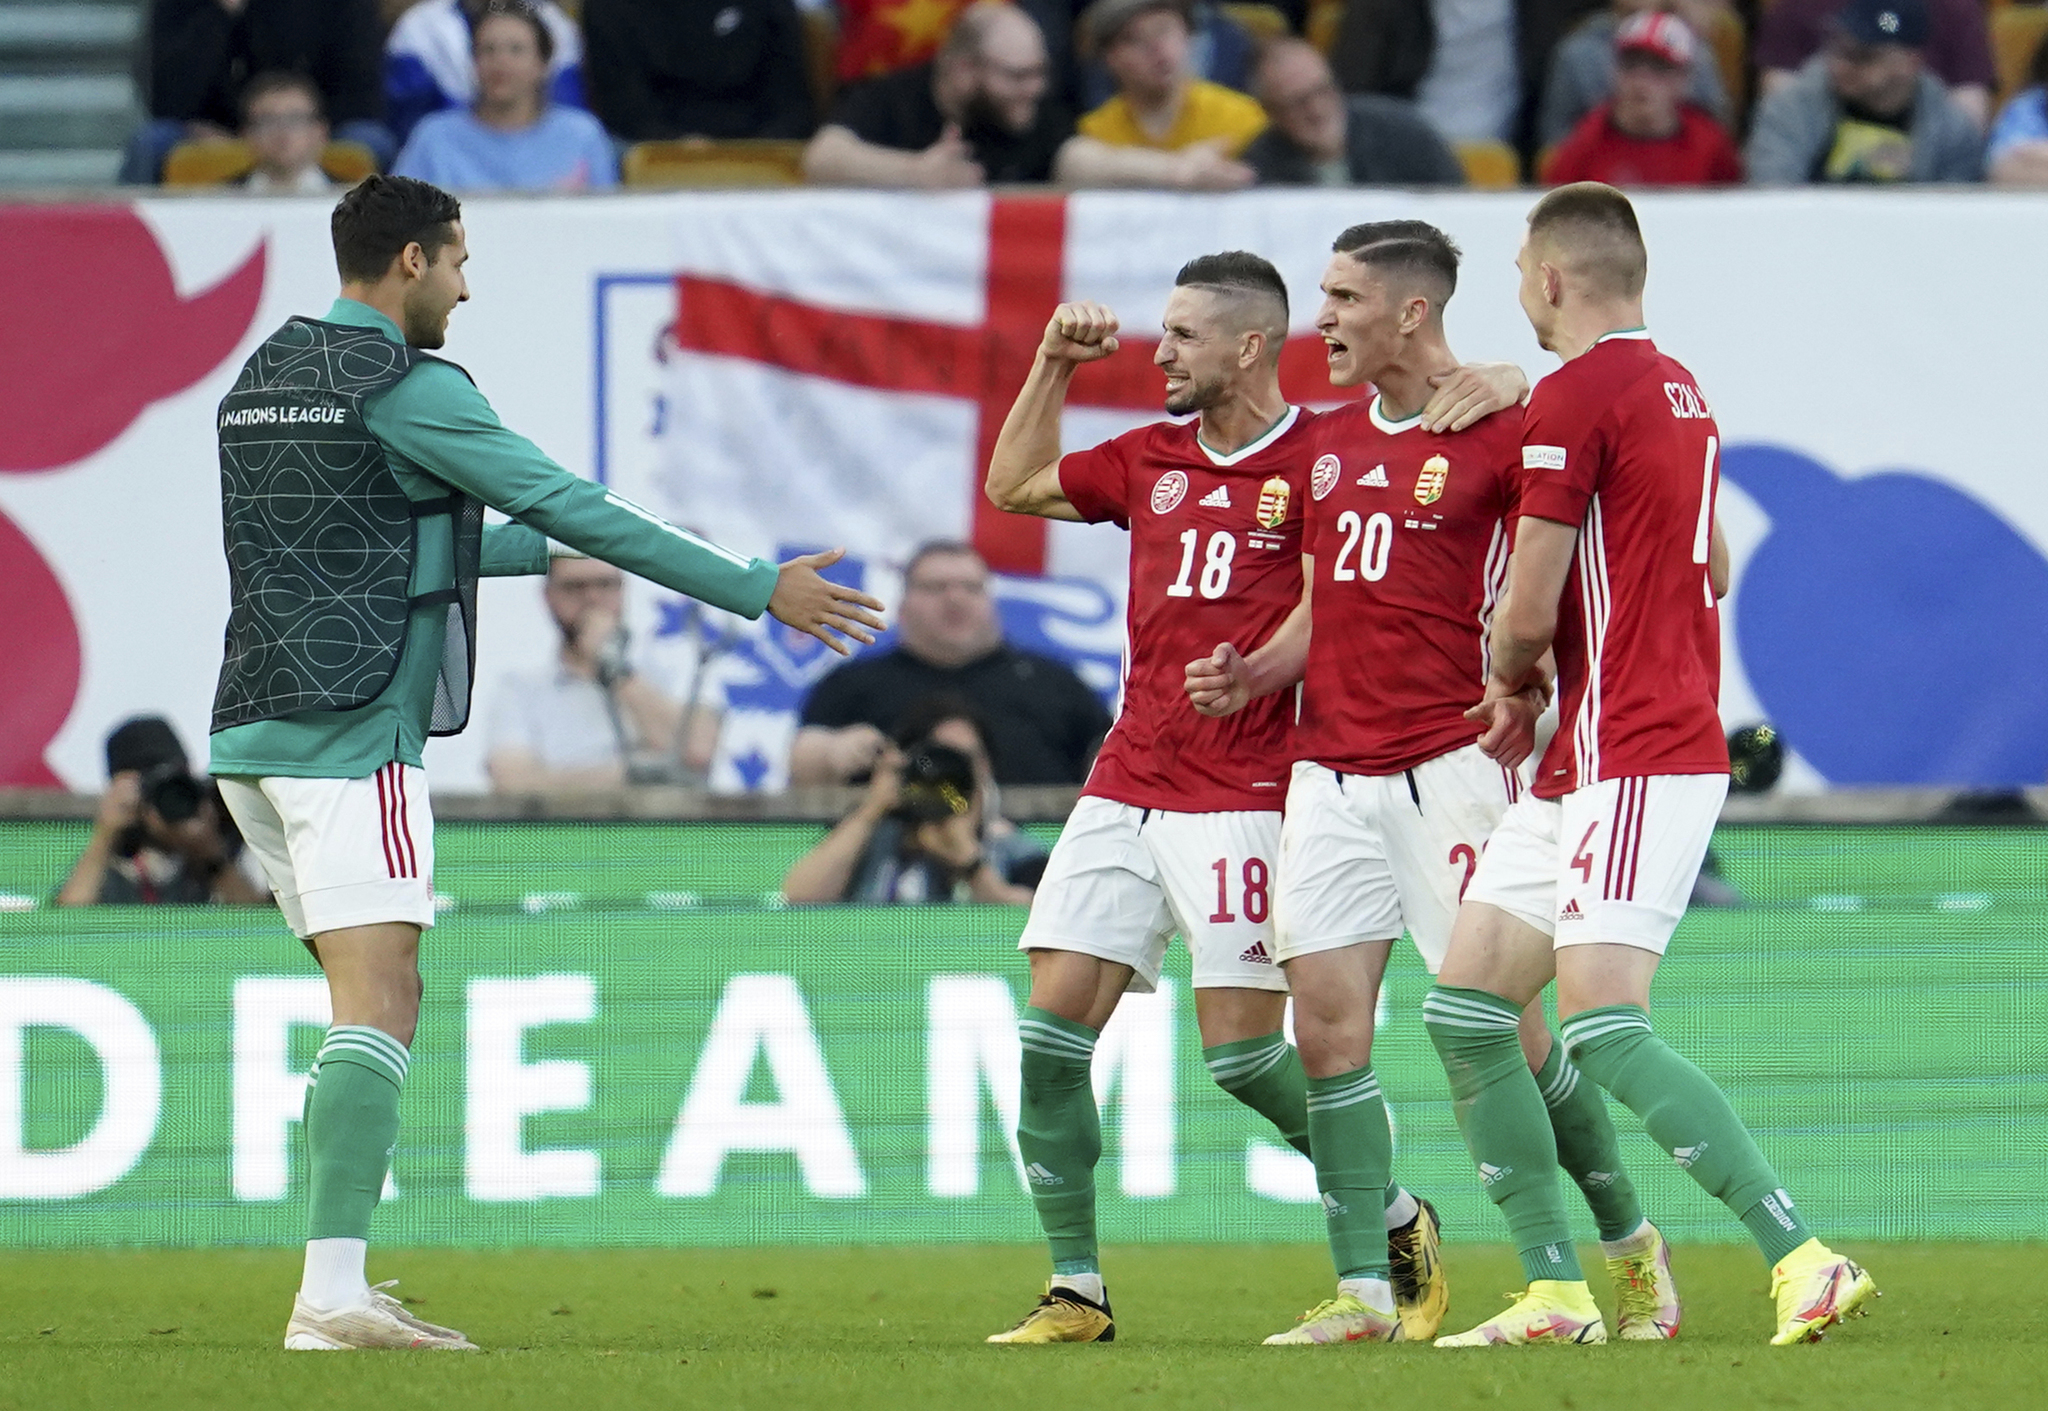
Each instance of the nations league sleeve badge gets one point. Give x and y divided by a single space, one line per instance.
1273 502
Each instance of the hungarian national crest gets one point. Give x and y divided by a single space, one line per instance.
1273 502
1429 486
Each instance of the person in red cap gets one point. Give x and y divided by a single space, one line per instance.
1648 134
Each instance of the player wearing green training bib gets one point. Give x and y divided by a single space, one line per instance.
355 470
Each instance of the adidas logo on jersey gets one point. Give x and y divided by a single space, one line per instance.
1217 499
1571 911
1256 955
1374 479
1042 1177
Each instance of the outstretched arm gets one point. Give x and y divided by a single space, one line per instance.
1225 682
1475 390
1024 469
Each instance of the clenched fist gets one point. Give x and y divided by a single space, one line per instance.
1080 333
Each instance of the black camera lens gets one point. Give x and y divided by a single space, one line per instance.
938 783
172 792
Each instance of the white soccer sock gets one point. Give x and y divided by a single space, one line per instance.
334 1276
1089 1286
1633 1243
1403 1210
1373 1293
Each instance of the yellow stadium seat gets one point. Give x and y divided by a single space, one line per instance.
1728 37
821 57
1262 22
2016 32
1325 18
697 162
1490 166
216 161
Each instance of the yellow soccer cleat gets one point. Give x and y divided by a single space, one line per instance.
1550 1311
1345 1318
1063 1315
1416 1269
1815 1289
1646 1307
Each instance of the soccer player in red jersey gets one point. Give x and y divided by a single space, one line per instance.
1615 570
1394 790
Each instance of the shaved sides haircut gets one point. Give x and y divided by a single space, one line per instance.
1248 281
1411 255
1590 229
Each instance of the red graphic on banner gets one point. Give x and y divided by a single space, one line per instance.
985 363
95 331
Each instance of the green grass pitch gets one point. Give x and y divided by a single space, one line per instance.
845 1329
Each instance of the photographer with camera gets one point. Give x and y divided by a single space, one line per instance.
162 836
928 829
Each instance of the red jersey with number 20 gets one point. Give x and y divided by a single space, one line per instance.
1620 442
1409 532
1215 557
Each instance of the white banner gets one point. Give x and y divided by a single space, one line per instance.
790 370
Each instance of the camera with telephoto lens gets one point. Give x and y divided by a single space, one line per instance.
938 783
172 791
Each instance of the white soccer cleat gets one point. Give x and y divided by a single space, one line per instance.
380 1321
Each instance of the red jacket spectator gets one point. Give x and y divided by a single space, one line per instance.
1647 134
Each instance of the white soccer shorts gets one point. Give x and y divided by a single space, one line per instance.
1122 880
1613 863
341 852
1364 856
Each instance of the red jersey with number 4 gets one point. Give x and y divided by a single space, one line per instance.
1620 442
1215 557
1409 532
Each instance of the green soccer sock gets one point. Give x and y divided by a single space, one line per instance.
1059 1135
1354 1152
1587 1147
1689 1117
351 1128
1265 1075
1504 1122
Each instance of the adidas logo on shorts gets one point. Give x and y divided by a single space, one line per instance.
1217 499
1256 955
1571 911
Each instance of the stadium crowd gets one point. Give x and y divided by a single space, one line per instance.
1193 94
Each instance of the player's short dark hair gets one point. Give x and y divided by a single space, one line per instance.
1234 271
932 548
517 10
1593 227
281 81
1410 251
376 220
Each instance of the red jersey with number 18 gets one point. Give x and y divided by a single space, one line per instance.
1215 557
1409 533
1620 443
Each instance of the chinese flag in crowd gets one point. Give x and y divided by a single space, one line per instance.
881 36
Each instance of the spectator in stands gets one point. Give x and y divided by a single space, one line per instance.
1583 67
698 68
1648 133
592 720
1792 33
1320 137
203 52
162 835
1219 49
1867 110
1165 126
976 114
1042 723
2018 151
286 133
513 138
430 64
928 828
1473 67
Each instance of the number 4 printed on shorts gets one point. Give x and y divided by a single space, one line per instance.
1583 858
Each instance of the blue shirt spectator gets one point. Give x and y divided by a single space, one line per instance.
428 65
2017 154
512 138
